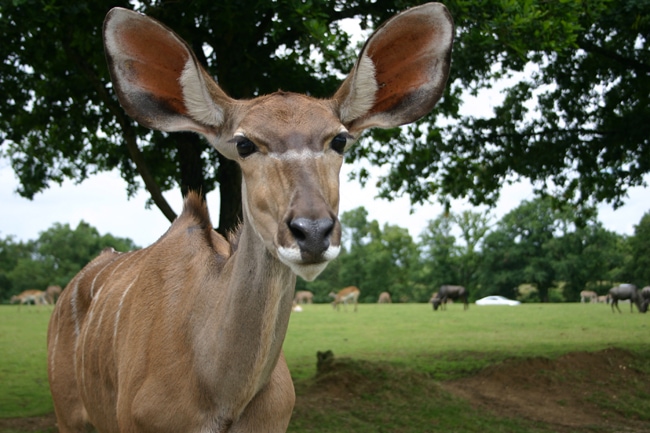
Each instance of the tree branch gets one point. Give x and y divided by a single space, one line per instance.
128 134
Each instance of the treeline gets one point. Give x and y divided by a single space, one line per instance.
537 252
52 259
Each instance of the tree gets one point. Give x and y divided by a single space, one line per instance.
60 118
573 124
588 137
517 251
54 258
439 254
11 253
473 228
587 258
639 265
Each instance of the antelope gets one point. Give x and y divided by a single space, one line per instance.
304 297
205 353
645 298
603 299
384 298
588 296
625 292
447 293
346 296
36 297
52 293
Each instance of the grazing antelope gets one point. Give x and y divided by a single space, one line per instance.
447 293
588 296
645 298
36 297
186 335
625 292
384 298
304 297
52 293
346 296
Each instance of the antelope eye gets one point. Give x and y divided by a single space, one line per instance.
245 147
339 142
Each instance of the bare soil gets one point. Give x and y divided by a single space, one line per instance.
578 392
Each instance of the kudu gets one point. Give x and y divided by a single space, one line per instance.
186 335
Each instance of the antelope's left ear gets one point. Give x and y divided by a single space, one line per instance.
401 72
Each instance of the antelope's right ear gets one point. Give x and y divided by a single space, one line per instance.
401 72
157 77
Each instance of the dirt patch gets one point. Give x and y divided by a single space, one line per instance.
46 423
577 390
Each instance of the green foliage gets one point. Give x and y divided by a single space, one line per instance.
373 259
53 259
639 265
574 124
540 244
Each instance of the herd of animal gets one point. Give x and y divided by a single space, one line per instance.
37 297
350 295
622 292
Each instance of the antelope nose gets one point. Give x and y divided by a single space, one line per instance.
312 236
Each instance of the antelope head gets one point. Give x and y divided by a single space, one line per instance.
289 146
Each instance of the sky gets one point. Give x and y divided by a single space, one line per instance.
102 202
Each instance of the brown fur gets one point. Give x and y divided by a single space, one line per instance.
186 335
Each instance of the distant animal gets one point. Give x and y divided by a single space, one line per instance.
645 298
36 297
295 308
624 292
447 292
588 296
346 296
303 297
603 299
384 298
52 293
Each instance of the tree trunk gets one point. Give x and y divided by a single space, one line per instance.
190 146
229 176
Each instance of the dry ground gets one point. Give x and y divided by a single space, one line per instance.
574 393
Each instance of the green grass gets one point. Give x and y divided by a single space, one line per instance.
452 343
384 338
24 389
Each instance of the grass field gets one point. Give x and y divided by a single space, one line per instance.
454 342
432 346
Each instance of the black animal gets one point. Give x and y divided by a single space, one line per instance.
449 292
626 291
645 298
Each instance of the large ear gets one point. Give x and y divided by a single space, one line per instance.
401 72
157 77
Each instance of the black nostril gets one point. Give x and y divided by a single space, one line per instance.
312 236
298 229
